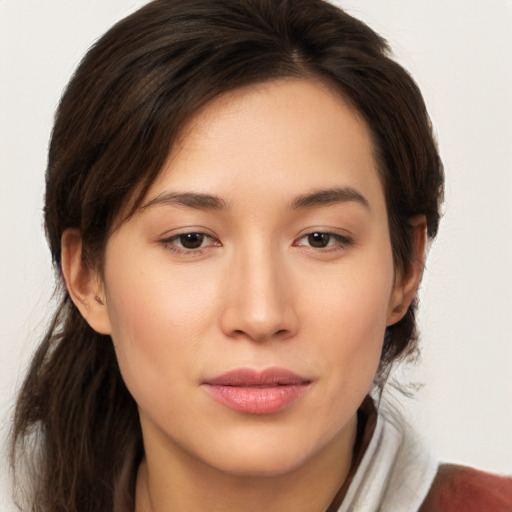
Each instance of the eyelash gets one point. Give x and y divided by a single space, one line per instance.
170 243
340 242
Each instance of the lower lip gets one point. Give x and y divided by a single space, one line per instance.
257 400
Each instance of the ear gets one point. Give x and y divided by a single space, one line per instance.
84 284
406 284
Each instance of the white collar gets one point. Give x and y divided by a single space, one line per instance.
396 471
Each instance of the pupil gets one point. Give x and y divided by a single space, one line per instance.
192 240
318 239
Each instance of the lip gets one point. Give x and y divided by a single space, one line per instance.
257 392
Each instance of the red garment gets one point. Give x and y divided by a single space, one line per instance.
463 489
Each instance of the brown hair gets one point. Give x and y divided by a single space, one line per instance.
114 128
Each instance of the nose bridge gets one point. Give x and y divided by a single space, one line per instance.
260 305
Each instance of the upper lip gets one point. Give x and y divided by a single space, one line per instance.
248 377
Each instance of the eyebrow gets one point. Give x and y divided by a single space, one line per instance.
330 196
314 199
190 199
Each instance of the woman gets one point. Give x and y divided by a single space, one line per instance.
239 196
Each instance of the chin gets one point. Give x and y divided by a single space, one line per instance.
264 453
261 463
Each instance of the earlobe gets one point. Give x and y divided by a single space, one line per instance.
83 283
407 283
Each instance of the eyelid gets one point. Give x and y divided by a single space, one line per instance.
343 240
167 240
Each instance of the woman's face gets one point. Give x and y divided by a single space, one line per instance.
248 298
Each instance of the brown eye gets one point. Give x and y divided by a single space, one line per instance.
319 240
192 243
323 241
191 240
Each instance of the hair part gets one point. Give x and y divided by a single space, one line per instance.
114 128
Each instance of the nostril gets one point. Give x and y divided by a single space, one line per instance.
260 336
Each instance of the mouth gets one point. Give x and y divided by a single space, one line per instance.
257 392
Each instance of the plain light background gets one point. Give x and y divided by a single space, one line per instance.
460 53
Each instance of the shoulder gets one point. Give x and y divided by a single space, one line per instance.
457 488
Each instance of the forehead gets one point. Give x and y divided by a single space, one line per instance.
286 136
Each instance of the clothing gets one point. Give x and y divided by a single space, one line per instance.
459 488
396 472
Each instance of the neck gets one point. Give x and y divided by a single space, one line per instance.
182 482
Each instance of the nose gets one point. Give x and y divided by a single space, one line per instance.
259 305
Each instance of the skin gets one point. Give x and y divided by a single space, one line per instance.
259 292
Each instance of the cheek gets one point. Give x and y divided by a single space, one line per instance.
158 317
355 341
352 303
348 316
153 301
